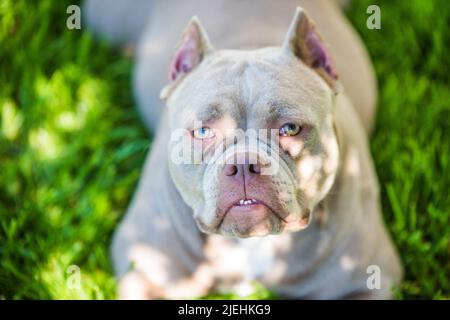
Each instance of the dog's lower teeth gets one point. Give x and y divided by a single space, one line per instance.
246 202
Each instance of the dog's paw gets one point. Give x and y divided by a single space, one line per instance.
134 286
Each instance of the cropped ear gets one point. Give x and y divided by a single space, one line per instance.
305 42
192 47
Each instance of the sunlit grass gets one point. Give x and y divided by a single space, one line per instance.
71 151
411 143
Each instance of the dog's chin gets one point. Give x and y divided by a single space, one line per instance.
254 220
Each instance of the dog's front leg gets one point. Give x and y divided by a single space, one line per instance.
135 285
154 261
157 249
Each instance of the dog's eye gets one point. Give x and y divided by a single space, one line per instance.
290 129
203 133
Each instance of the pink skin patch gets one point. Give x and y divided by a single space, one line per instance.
187 55
318 52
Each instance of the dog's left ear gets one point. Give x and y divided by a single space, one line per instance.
193 46
305 42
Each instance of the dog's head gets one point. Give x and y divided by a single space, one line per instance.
253 147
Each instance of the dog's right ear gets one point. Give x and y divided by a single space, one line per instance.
193 46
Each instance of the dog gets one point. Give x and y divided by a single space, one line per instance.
312 228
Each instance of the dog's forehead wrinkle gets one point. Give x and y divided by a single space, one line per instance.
271 91
211 112
232 78
255 87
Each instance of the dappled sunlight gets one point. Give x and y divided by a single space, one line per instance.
347 263
63 105
71 146
65 280
46 144
70 121
352 165
12 120
309 170
148 258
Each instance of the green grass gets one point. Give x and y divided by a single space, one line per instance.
71 150
411 142
72 147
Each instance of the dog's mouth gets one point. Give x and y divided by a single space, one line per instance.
252 217
250 205
249 217
246 203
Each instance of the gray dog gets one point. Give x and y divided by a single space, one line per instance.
309 228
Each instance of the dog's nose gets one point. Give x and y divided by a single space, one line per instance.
242 169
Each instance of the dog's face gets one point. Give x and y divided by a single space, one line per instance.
258 128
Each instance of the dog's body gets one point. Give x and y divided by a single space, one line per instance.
159 250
